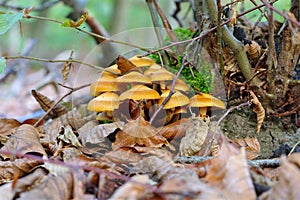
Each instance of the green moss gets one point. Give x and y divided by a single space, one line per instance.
201 79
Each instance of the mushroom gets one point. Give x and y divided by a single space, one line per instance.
153 68
161 75
139 92
105 102
111 71
177 100
133 105
204 101
142 61
106 83
133 77
179 85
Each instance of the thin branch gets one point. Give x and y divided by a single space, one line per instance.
53 61
58 101
42 7
89 33
248 103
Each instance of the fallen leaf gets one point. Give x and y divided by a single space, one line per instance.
176 129
19 167
136 188
259 110
25 140
194 138
7 126
251 145
46 104
287 186
124 65
139 132
96 134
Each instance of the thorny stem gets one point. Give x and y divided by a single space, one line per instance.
171 90
89 33
59 100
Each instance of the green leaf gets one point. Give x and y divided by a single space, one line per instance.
7 20
66 23
2 65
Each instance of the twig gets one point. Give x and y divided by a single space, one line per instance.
42 7
89 33
294 147
255 163
171 90
58 101
248 103
53 61
268 5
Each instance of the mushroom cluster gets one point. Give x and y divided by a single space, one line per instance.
138 87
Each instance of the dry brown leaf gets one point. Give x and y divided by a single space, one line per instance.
124 65
96 134
175 130
52 187
7 126
229 172
233 15
259 110
251 145
75 118
289 178
139 132
25 140
194 138
46 104
136 188
18 167
66 70
7 191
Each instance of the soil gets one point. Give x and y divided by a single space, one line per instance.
273 135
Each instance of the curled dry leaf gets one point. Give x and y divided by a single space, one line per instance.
136 188
7 191
289 178
18 168
139 132
66 70
75 118
25 140
68 136
259 110
194 138
52 187
124 65
251 145
175 130
7 126
229 172
96 134
47 103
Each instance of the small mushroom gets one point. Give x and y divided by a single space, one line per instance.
179 85
204 101
107 101
152 69
106 83
111 71
141 62
139 92
176 100
133 77
161 75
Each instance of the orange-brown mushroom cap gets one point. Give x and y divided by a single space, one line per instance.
176 100
161 75
139 92
206 100
107 101
133 77
106 83
141 62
